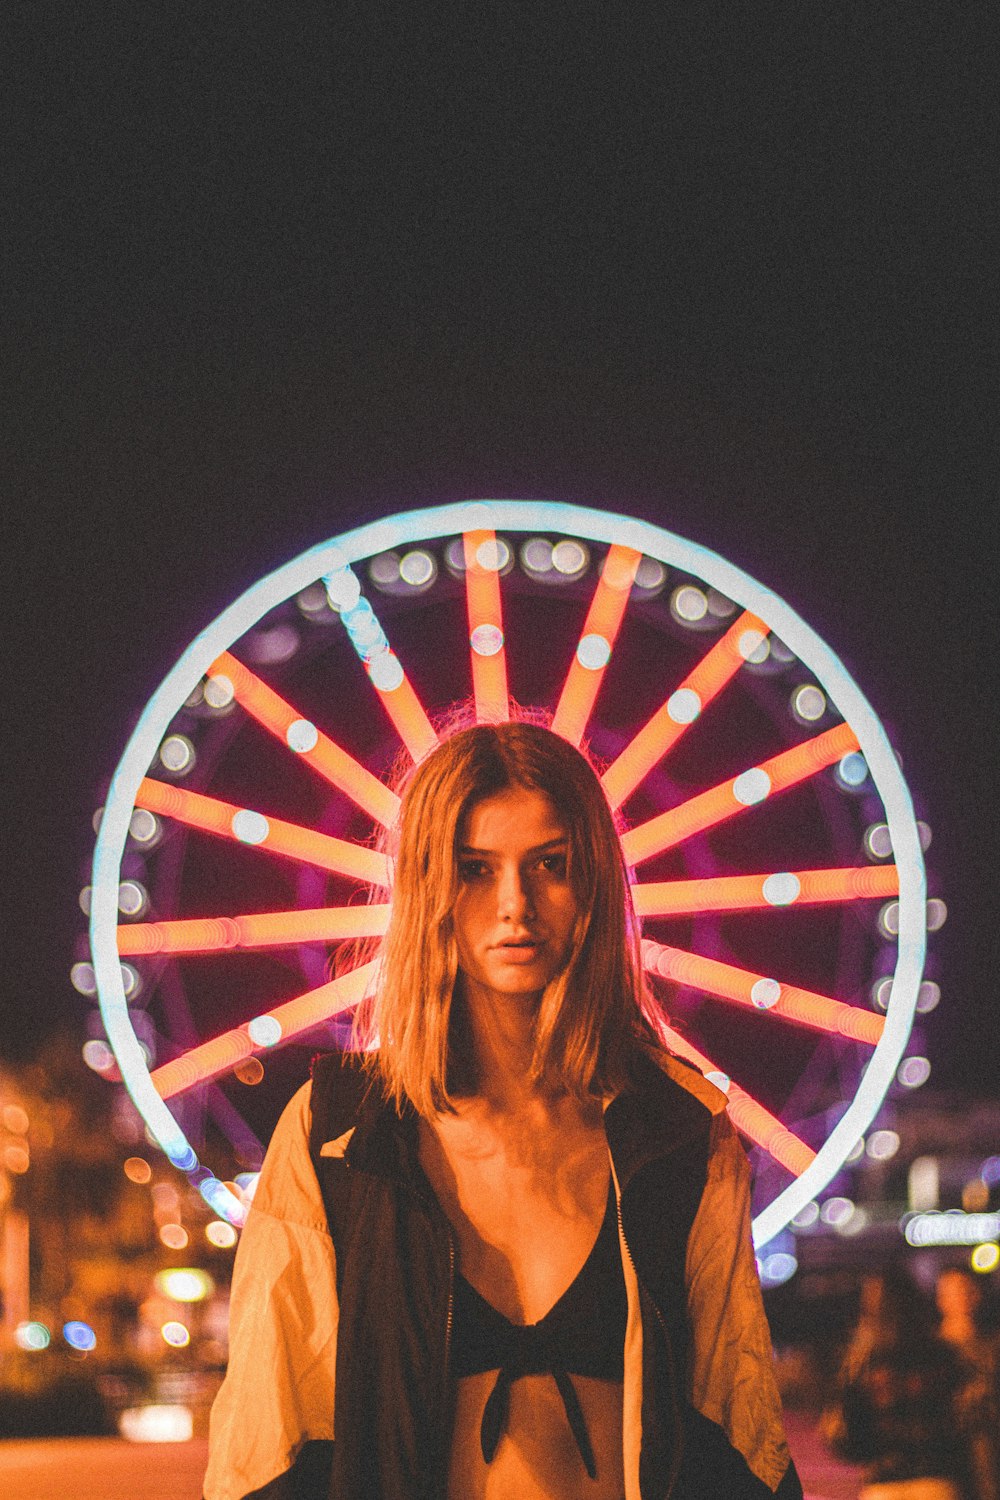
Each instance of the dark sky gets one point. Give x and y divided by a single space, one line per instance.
271 272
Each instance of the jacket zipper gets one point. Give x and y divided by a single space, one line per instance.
668 1344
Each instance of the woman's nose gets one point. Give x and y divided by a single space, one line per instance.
514 901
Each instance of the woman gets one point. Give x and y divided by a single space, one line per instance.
503 1249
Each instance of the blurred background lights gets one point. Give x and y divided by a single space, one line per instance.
536 556
780 652
807 1216
688 604
928 996
651 575
131 982
264 1031
16 1159
486 640
985 1258
250 827
976 1196
990 1171
313 603
856 1152
247 1183
84 900
878 841
765 993
174 1236
808 703
384 569
98 1055
913 1071
925 835
593 652
570 558
777 1268
157 1423
385 671
184 1284
144 827
683 706
888 919
177 754
720 607
343 588
220 1234
419 570
495 555
882 992
454 557
852 770
82 979
32 1336
854 1224
250 1071
882 1145
754 647
137 1169
302 736
219 691
175 1334
836 1211
274 646
751 786
782 889
937 914
132 898
79 1335
721 1080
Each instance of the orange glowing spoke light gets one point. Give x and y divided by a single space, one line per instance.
248 827
789 1001
327 924
675 898
486 638
301 735
683 707
600 629
735 796
279 1025
746 1114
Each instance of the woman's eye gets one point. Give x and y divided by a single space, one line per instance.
553 864
472 869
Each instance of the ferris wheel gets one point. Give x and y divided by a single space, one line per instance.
777 861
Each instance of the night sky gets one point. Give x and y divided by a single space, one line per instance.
273 273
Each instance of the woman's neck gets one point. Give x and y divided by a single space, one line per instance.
500 1039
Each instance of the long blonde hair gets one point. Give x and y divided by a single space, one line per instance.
593 1016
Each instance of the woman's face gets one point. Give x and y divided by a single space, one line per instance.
515 912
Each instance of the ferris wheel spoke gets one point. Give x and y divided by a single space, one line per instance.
301 735
486 637
245 826
383 666
593 652
789 1002
746 1114
736 795
683 706
325 924
281 1024
675 898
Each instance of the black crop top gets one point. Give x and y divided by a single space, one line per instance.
583 1333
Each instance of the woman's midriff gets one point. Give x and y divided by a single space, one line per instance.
537 1458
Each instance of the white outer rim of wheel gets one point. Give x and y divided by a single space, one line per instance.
520 516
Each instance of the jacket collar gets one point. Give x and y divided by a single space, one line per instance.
658 1116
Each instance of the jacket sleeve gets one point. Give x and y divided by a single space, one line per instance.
278 1390
732 1376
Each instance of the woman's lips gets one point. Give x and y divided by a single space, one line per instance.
518 953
